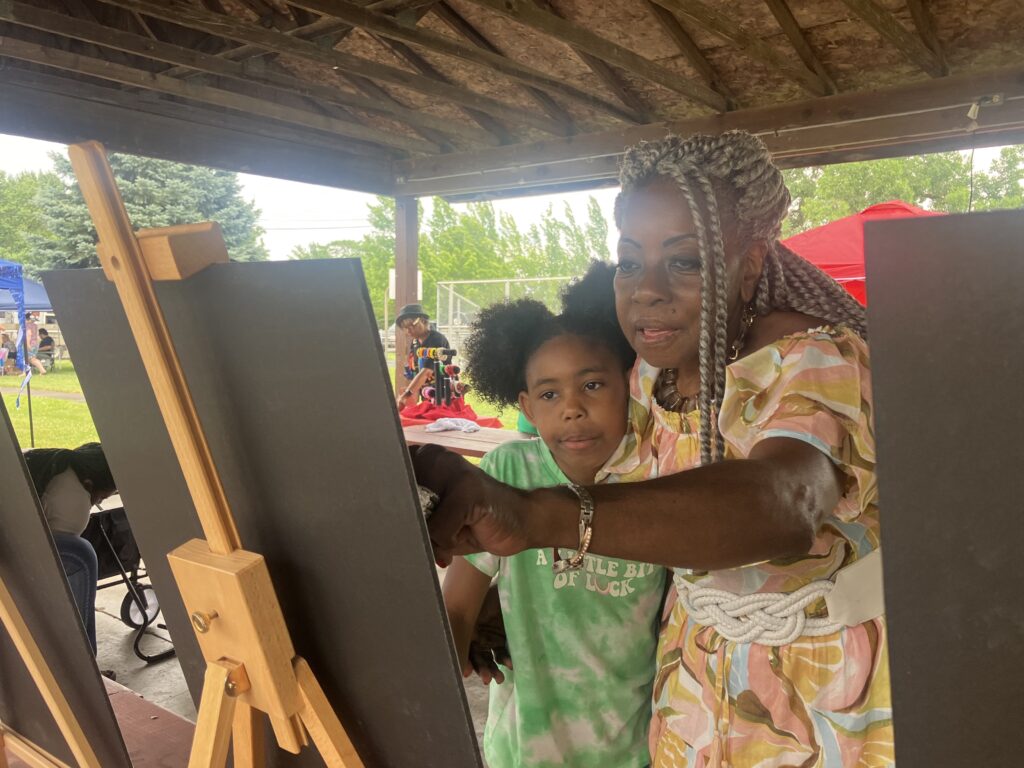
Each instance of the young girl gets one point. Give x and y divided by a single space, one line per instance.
582 641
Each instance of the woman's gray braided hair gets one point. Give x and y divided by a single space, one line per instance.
735 170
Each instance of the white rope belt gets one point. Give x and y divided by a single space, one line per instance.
766 618
780 618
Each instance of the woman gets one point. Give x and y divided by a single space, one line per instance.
753 374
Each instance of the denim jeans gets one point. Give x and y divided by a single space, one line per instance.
79 561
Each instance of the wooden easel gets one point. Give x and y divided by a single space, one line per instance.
49 689
251 663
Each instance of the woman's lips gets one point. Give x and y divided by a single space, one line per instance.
656 335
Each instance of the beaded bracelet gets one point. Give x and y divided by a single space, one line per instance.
574 563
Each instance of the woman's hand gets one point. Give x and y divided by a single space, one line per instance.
474 513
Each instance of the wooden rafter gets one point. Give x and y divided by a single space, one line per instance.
427 69
691 51
889 27
218 97
270 15
92 97
493 126
458 24
78 29
529 15
278 42
781 11
385 26
314 32
718 22
922 116
925 24
606 73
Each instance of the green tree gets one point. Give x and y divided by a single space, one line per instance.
475 243
156 193
1002 186
21 215
939 182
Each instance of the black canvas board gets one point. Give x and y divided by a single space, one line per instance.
31 570
285 367
946 326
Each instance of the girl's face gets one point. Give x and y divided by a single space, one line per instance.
577 398
658 285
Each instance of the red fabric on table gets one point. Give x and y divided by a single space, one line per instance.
427 413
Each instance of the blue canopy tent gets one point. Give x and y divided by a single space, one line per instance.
13 283
34 296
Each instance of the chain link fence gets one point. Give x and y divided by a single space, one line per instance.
460 301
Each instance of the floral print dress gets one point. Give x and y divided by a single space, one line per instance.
820 701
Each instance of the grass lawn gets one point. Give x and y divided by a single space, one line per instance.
63 379
58 423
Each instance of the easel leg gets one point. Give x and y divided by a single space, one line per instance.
3 750
247 742
213 728
322 723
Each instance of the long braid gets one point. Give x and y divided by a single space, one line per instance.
735 168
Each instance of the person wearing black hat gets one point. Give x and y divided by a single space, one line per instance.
414 320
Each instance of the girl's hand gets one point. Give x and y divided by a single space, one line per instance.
475 512
489 646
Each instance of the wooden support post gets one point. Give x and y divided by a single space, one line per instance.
407 247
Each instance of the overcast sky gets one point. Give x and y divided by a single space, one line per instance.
293 213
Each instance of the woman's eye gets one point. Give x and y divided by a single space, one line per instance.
626 267
684 264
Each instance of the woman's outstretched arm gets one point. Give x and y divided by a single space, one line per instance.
728 514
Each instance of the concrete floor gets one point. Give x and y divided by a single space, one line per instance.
163 683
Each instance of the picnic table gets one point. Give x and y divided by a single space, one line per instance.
465 443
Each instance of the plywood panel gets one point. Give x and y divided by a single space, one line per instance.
945 299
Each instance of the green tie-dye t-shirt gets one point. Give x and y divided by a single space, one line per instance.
583 645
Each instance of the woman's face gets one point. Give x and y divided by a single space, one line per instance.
658 285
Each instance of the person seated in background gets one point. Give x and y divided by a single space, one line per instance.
46 349
8 355
69 484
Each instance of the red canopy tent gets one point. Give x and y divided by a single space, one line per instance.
838 247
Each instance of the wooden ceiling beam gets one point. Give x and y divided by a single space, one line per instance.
55 23
723 26
674 28
107 70
889 27
606 73
57 108
925 24
784 16
910 116
191 17
385 26
458 24
529 15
